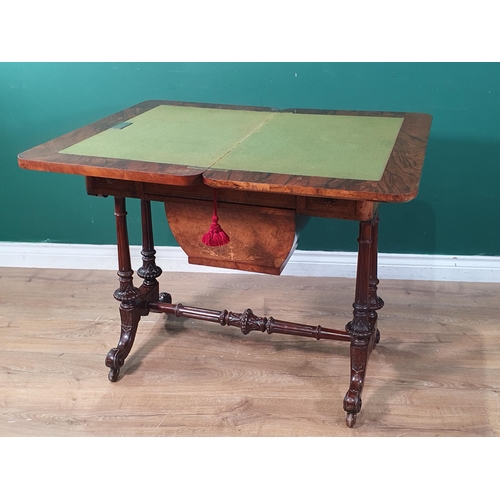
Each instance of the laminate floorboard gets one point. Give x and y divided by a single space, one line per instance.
436 371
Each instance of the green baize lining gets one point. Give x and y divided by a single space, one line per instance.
333 146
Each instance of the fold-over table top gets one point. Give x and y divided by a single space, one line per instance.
357 155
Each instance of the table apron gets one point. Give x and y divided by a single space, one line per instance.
303 205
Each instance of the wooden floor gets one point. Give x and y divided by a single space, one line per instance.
436 371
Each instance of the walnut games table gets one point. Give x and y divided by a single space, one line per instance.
263 172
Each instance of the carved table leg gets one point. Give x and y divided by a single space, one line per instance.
362 326
133 300
127 294
376 302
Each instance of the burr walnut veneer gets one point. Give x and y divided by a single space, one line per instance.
270 171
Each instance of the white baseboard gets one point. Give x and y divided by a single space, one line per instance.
302 263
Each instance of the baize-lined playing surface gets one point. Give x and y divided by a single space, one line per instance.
334 146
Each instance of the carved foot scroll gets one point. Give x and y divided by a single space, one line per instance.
116 356
360 351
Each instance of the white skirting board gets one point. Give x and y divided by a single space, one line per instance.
302 263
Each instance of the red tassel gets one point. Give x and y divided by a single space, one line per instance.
215 236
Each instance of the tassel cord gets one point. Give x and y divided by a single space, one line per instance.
215 236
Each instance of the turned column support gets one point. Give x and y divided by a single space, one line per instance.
127 293
149 271
375 302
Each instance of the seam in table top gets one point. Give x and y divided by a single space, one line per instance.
232 148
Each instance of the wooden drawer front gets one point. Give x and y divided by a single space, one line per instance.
334 208
159 192
203 192
99 186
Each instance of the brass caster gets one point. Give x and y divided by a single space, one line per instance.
350 419
113 375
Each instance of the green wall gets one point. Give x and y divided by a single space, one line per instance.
457 210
